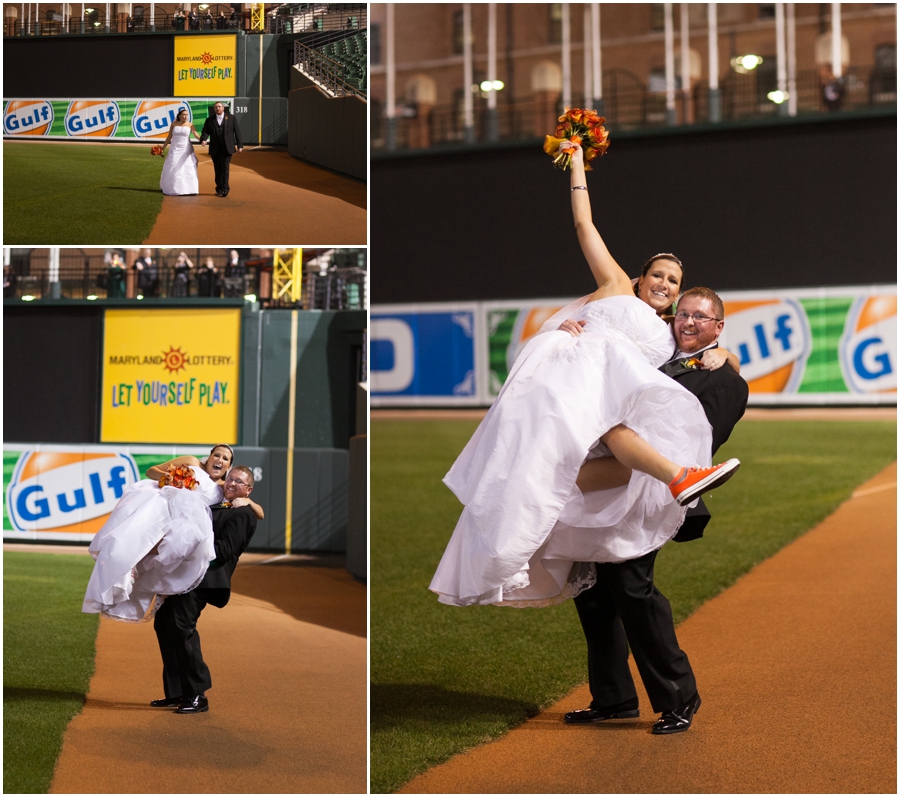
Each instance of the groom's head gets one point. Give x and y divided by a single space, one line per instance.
219 108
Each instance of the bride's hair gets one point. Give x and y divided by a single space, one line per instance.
220 445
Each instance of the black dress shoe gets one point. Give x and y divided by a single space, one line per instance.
193 705
167 702
582 716
678 719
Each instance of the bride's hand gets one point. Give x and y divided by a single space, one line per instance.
574 150
239 502
574 328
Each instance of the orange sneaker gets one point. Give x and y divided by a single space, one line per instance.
691 482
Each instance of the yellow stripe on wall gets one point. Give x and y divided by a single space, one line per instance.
292 408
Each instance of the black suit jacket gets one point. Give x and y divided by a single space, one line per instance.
723 394
228 142
232 531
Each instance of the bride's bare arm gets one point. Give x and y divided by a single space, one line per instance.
713 359
244 501
169 137
158 471
611 279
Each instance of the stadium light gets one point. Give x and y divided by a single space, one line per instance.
778 97
28 298
91 298
250 297
139 297
744 64
492 85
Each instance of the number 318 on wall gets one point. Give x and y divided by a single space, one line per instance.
242 109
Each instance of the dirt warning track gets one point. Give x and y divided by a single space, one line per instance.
288 659
274 200
797 668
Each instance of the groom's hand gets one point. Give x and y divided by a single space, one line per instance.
240 149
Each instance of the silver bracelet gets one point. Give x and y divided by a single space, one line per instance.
579 188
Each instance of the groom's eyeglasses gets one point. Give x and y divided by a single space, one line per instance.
698 319
235 481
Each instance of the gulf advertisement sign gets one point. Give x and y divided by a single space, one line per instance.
64 494
152 118
205 65
807 346
772 340
170 376
424 355
509 329
868 346
92 118
27 117
102 119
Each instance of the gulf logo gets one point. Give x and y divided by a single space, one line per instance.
67 492
96 118
152 118
868 347
27 118
772 339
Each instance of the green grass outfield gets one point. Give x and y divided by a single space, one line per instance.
48 660
444 679
83 194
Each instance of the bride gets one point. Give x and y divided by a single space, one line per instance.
158 541
179 174
526 528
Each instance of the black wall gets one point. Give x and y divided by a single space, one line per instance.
51 374
117 67
328 131
764 206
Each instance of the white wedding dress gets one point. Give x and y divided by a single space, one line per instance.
127 583
179 174
527 534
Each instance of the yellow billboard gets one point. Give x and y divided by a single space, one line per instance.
170 376
205 66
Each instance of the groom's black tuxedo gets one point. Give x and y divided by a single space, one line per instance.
624 608
185 674
723 394
224 140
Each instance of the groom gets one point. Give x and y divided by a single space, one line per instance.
224 136
624 609
185 675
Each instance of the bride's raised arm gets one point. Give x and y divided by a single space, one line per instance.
611 279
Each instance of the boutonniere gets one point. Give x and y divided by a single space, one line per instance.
692 363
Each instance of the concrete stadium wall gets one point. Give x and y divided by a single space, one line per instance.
329 131
774 205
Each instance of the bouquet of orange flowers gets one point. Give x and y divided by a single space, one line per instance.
582 127
181 477
156 149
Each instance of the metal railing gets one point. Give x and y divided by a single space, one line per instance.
322 18
329 74
332 285
628 105
95 23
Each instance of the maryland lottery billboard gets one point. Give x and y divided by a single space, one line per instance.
205 65
170 376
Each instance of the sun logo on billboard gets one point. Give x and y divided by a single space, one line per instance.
206 58
175 359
